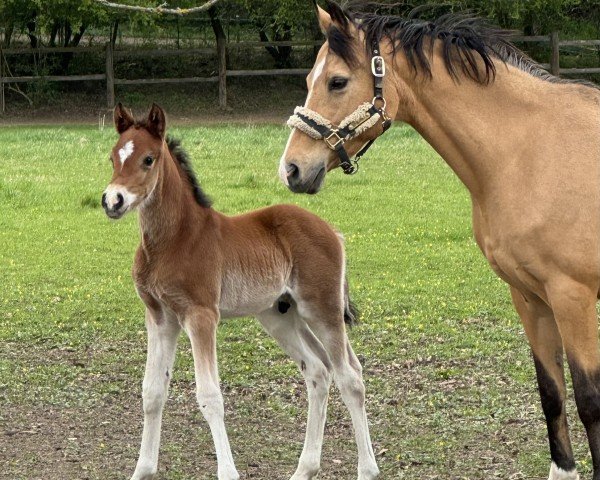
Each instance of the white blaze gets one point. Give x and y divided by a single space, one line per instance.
282 165
318 70
316 74
125 152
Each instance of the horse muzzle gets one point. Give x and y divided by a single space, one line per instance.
116 201
309 181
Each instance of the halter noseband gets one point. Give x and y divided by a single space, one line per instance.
359 121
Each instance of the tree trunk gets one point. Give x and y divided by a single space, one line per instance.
219 32
8 31
33 39
70 41
114 32
53 34
280 54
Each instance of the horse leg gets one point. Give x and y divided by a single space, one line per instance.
201 326
327 323
162 341
296 339
546 346
574 307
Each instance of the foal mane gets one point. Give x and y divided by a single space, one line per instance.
183 159
466 43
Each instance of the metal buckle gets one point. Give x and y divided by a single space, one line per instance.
381 99
378 58
339 140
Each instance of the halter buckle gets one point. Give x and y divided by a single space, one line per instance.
378 66
336 142
382 100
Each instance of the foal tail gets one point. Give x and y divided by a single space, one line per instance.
351 313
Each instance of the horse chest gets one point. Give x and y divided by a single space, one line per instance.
171 288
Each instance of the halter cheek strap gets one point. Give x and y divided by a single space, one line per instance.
364 117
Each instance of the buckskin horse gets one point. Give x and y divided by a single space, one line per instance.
526 145
195 265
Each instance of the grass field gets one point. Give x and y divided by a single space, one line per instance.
450 383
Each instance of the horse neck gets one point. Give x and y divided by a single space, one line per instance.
169 209
475 128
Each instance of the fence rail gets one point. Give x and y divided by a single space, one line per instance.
111 53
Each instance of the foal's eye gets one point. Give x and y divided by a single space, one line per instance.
337 83
148 161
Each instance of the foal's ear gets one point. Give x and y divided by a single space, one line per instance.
157 121
122 117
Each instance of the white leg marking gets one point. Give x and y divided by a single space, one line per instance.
557 473
302 346
209 397
347 373
125 152
162 341
352 389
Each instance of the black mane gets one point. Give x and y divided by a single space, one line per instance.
469 45
181 156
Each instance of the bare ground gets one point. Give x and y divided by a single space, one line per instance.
91 427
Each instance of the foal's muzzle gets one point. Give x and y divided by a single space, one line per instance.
311 182
116 200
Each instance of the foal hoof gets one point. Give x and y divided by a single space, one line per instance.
228 474
143 476
370 473
305 473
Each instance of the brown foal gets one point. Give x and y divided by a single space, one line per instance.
525 144
195 265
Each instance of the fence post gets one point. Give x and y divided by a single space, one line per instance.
110 76
555 60
2 101
222 53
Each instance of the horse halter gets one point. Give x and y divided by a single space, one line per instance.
364 117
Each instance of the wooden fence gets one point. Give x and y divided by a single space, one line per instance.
108 76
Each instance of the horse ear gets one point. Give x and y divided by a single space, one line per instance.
157 121
122 117
324 19
334 15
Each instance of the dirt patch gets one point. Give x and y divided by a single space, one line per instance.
425 425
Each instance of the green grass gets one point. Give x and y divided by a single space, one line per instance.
451 392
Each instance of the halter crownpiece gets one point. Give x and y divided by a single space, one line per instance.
364 117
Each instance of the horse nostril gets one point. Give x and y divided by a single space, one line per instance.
293 173
119 203
104 206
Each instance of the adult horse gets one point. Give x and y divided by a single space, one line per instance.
525 144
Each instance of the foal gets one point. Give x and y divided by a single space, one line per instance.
195 265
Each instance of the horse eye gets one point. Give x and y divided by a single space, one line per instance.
148 161
338 83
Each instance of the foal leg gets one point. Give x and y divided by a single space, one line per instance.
328 326
296 339
546 346
201 326
163 331
574 306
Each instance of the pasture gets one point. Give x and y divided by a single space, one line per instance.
450 384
